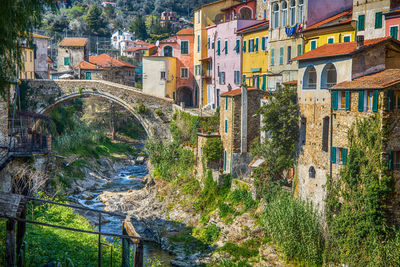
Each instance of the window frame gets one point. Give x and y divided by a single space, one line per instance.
390 31
331 38
345 36
292 12
187 47
187 73
361 26
284 14
163 75
314 41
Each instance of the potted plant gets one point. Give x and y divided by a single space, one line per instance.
221 171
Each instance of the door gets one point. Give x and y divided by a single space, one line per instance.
88 75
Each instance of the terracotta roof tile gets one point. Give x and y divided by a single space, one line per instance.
74 42
133 49
339 49
189 31
141 43
84 65
378 80
294 82
105 61
238 91
326 22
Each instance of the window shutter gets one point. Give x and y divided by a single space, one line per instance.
258 82
244 46
299 51
361 22
375 101
263 43
264 82
226 126
256 45
225 160
378 20
347 95
244 78
226 103
390 160
250 46
390 100
333 154
226 47
344 156
219 48
334 100
361 100
237 46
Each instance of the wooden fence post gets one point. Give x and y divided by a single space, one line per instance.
139 254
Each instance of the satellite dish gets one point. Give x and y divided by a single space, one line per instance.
157 43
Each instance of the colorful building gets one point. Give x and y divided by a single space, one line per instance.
245 10
40 44
28 63
263 9
336 29
181 47
205 16
288 20
323 136
255 44
392 23
71 52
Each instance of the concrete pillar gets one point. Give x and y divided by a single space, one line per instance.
243 128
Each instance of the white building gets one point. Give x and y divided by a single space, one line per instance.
120 36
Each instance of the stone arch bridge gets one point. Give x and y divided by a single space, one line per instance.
45 95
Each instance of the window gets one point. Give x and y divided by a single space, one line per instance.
226 103
313 44
370 101
328 76
347 39
222 78
256 45
394 160
310 78
275 16
339 155
300 12
219 47
226 126
303 130
226 47
163 75
341 100
88 75
173 95
292 13
184 73
198 43
325 134
244 46
198 70
272 57
284 14
198 16
66 61
184 47
299 50
264 43
237 47
251 45
378 20
289 54
167 51
311 172
331 40
394 32
264 82
225 159
30 56
237 77
209 43
265 14
361 22
281 56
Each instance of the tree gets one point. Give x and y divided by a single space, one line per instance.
95 20
17 17
280 119
138 26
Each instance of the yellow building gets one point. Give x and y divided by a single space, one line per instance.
28 61
255 55
205 16
336 29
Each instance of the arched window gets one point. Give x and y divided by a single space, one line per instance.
310 78
275 16
284 14
328 76
245 13
300 12
167 51
311 172
219 18
292 13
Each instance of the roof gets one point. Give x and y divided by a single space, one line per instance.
338 19
259 26
189 31
206 59
257 163
35 35
238 91
393 12
210 4
78 42
342 49
378 80
105 60
238 4
141 42
84 65
133 49
294 82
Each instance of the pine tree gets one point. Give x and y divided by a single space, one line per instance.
138 26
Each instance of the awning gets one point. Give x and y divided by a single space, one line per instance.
206 59
255 69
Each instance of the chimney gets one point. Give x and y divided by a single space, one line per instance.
243 128
360 41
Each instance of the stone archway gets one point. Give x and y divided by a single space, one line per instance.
184 94
245 13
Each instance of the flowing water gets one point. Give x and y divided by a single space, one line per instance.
123 182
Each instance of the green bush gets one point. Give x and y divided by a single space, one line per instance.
294 226
209 234
242 195
158 112
184 128
240 251
142 109
213 149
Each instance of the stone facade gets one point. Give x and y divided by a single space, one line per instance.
70 56
41 64
263 8
4 111
236 161
50 93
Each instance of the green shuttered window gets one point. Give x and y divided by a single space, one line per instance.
237 46
347 97
375 101
334 100
225 158
333 154
394 32
272 57
378 20
344 156
390 160
66 61
244 46
264 82
299 50
361 22
263 43
226 126
256 48
361 100
226 47
226 103
219 47
244 78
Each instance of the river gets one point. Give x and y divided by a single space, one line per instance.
129 178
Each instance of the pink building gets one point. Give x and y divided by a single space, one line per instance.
392 24
224 59
245 10
181 47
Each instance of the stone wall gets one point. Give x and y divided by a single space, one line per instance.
50 93
75 54
4 106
